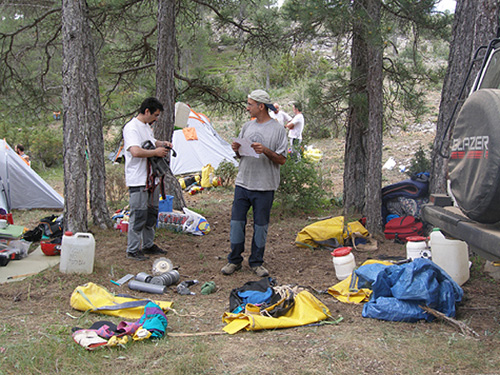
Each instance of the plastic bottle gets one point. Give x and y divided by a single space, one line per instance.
451 255
343 261
416 247
77 253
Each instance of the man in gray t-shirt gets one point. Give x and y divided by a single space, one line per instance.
257 180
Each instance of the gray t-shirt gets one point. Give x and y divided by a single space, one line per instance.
261 173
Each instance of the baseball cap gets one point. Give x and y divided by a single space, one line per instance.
262 97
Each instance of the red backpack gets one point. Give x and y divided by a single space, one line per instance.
400 228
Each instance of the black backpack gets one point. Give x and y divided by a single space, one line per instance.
50 226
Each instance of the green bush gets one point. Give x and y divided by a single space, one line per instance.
301 187
47 146
419 163
227 172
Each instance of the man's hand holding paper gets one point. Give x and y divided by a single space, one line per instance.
245 147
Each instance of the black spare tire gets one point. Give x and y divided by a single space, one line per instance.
474 165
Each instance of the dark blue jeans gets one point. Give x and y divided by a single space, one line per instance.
261 203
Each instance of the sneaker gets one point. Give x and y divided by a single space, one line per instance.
260 271
137 255
230 268
154 250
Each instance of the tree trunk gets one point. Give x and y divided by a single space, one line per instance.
97 188
355 157
475 24
95 142
165 88
375 120
75 39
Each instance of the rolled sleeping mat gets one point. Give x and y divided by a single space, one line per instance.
146 287
166 279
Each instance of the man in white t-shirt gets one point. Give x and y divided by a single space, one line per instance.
296 127
143 202
281 116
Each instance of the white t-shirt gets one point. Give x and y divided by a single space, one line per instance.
135 133
282 117
298 122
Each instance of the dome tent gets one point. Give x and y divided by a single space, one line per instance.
208 148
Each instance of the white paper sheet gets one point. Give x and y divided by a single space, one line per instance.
245 147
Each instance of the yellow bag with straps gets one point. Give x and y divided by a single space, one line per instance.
95 298
307 309
344 293
330 233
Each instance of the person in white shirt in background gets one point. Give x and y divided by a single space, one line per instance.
281 116
296 127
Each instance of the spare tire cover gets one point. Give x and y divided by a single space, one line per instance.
474 165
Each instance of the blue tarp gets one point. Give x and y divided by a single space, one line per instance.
398 291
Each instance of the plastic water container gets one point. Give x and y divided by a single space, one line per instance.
416 247
451 255
343 261
124 226
77 253
165 205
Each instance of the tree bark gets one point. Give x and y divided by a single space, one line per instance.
95 142
165 88
97 186
475 23
363 151
375 120
76 91
355 156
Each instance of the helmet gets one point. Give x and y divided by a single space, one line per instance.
51 247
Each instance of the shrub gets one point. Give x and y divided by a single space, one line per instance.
301 187
419 163
47 146
227 172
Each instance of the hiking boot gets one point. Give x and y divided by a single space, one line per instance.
154 250
260 271
230 268
137 255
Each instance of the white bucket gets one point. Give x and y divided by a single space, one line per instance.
416 247
77 253
343 261
451 255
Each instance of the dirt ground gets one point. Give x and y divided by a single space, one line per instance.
44 299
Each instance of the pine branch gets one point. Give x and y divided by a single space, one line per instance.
464 328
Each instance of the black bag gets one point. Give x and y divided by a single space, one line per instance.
159 166
50 226
34 235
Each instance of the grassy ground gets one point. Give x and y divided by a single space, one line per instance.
35 332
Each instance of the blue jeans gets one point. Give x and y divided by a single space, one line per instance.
143 216
261 203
